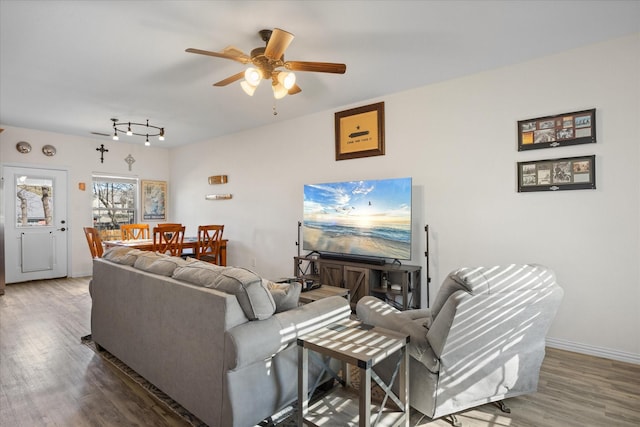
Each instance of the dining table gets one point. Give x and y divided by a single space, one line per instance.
147 245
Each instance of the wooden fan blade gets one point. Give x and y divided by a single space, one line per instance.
320 67
278 43
242 59
295 89
230 79
234 51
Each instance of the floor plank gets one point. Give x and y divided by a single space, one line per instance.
48 378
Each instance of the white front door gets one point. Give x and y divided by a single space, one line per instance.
35 207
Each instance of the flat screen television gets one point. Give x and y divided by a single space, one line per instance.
369 218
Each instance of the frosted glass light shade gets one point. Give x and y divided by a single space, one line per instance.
279 91
248 89
287 79
253 76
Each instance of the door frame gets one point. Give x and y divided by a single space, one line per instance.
3 215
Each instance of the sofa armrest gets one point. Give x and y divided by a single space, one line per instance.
260 339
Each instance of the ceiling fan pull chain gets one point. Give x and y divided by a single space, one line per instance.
275 112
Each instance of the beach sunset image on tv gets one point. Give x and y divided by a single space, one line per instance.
365 218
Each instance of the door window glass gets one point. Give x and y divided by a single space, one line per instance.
34 206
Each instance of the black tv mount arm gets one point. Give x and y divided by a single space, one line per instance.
426 255
298 241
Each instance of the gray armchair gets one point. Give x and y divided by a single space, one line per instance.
482 341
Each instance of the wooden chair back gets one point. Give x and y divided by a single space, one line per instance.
134 231
209 242
168 239
94 241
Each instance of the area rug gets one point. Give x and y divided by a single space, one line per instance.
285 418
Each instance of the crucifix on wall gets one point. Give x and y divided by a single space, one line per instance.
102 150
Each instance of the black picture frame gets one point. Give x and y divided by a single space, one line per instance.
567 173
578 127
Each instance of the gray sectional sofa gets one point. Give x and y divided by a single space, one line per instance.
221 341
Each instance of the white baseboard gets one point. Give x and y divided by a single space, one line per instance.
591 350
76 274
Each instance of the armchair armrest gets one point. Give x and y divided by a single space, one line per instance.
373 311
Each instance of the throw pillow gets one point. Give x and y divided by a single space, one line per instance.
285 295
254 299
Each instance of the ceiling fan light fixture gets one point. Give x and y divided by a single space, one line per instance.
287 79
264 63
253 76
279 91
248 89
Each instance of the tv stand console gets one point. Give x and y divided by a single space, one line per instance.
397 284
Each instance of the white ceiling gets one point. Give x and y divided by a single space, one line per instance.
70 66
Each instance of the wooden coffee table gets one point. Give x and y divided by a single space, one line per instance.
322 292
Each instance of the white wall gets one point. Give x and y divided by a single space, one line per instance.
79 156
457 139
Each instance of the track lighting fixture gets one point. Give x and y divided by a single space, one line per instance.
142 129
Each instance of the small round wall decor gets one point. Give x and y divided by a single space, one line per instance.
23 147
49 150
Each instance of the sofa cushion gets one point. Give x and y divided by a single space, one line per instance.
121 255
254 298
285 295
145 259
198 273
156 263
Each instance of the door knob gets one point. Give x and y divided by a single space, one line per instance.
62 229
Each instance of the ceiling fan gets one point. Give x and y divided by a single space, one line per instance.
267 63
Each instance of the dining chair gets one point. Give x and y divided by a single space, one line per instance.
168 239
209 242
94 241
134 231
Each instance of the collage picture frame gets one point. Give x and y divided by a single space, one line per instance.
578 127
568 173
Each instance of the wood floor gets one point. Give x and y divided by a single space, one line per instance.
48 378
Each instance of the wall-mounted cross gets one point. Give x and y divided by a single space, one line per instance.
102 150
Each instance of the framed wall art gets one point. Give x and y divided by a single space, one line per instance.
360 132
154 200
569 173
560 130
